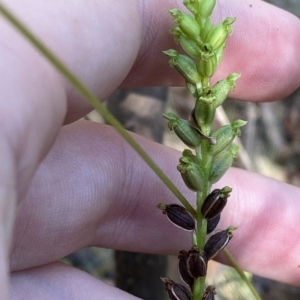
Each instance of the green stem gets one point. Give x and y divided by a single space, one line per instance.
199 287
239 270
92 100
201 223
199 284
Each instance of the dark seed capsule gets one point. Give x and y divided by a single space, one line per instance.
215 202
183 270
213 223
176 291
209 293
197 263
218 242
180 217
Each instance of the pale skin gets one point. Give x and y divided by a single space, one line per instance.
65 188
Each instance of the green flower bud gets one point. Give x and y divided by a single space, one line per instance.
194 89
218 34
190 157
186 23
205 26
184 65
219 54
205 109
188 135
188 45
225 135
222 88
222 162
193 122
207 63
191 5
191 174
206 7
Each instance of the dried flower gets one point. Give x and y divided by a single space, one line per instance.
183 269
213 223
209 293
215 202
218 241
176 291
197 263
178 215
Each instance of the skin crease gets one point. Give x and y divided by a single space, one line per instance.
70 203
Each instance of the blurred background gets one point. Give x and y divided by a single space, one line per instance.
275 153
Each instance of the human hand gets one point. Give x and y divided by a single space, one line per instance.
92 189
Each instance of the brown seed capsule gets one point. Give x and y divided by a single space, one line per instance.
183 270
176 291
213 223
179 216
209 293
215 202
197 263
218 241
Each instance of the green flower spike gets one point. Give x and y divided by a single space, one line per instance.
213 152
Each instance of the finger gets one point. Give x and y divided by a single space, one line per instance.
35 98
61 282
93 190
